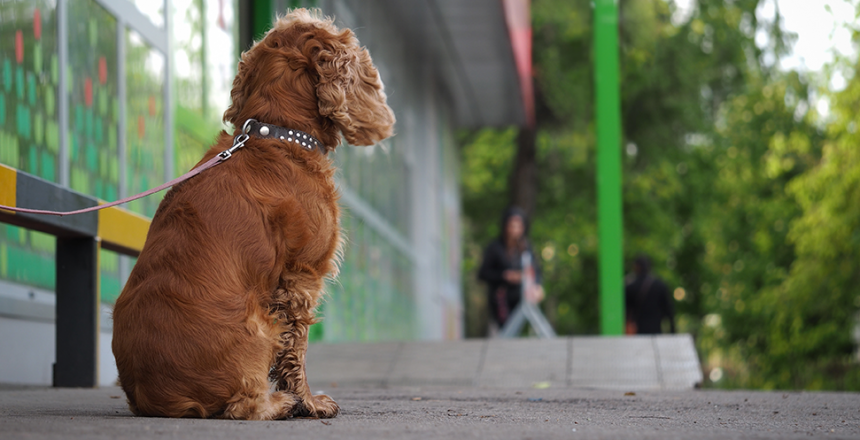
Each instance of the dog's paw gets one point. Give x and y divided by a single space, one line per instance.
321 406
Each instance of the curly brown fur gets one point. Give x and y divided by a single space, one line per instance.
218 306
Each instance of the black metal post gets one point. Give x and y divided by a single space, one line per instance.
77 312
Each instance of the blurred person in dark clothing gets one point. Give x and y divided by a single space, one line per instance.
502 269
647 301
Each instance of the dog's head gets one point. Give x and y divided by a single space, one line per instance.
309 75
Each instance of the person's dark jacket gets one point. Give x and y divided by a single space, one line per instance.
503 297
648 301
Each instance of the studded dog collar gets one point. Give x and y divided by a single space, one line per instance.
262 130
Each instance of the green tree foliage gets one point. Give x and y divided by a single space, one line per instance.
737 189
748 213
807 341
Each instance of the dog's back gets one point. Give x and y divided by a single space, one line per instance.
181 323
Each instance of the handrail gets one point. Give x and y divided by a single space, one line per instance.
118 229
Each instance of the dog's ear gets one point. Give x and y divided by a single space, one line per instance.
237 93
350 92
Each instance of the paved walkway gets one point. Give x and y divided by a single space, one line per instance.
572 388
457 413
666 362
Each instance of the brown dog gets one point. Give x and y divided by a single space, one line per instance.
216 311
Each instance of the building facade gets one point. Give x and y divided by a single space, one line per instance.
112 97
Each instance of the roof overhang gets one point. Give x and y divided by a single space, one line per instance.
470 46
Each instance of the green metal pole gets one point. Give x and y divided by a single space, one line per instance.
608 118
263 16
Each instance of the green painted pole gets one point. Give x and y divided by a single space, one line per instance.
608 118
263 16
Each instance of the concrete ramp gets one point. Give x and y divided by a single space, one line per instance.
629 363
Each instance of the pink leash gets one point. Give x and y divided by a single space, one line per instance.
238 142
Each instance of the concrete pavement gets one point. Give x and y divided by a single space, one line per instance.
570 388
455 413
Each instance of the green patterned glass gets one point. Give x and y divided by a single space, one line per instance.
94 116
93 100
29 131
144 134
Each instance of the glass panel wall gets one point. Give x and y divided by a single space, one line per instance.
93 100
371 300
93 126
28 98
378 174
144 67
29 129
204 64
30 75
374 296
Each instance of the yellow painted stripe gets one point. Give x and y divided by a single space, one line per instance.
8 186
123 228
